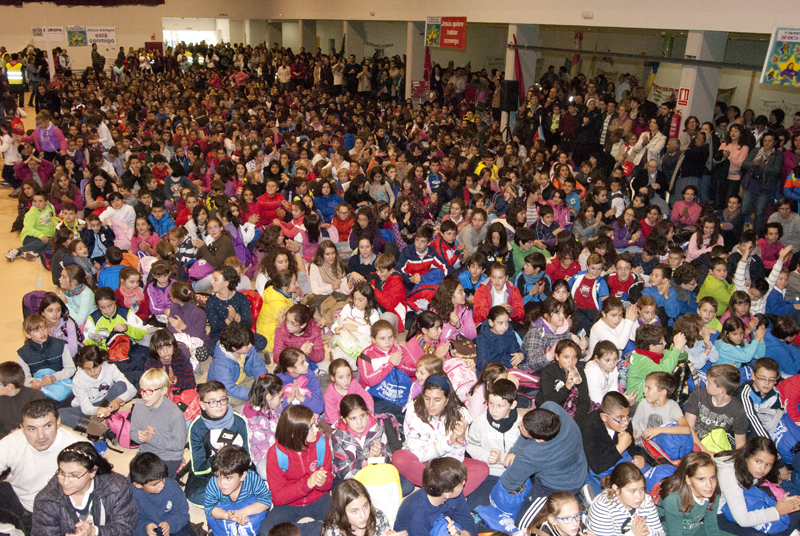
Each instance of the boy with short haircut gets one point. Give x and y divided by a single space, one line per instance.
473 276
777 304
236 363
624 281
98 237
160 219
69 220
441 495
447 249
714 407
545 229
157 423
607 435
573 199
109 274
646 260
683 285
162 504
43 351
142 206
217 426
657 411
760 290
589 290
390 292
618 199
522 246
716 285
494 431
236 495
498 291
675 257
761 401
13 396
707 311
533 283
650 355
659 289
284 529
419 258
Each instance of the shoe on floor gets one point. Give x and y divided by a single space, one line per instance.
4 183
15 193
30 256
11 254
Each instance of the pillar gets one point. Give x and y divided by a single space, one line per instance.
526 34
702 83
308 35
274 33
354 37
415 54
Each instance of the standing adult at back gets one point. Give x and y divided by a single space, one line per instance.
30 453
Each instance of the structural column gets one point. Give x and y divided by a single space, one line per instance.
699 85
308 35
274 33
526 34
415 54
354 36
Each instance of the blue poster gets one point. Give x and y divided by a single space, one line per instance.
783 58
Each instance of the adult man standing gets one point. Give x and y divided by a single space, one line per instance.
16 78
98 61
30 454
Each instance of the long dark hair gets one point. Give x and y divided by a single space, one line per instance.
268 263
343 494
371 228
452 411
366 290
161 338
442 301
634 226
424 320
701 225
49 299
488 246
740 457
687 469
293 426
658 235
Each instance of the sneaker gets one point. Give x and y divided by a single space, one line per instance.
11 254
15 193
4 183
30 256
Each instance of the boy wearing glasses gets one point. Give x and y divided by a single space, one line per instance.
157 423
217 426
608 436
656 411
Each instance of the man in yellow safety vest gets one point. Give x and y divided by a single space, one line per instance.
16 78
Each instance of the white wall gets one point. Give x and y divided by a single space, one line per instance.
486 48
224 30
385 33
327 30
291 36
197 25
237 31
256 31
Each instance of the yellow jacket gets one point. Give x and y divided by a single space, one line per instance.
275 304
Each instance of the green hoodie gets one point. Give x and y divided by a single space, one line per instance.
39 223
719 290
519 257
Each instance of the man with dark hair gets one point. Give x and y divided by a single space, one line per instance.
551 452
30 454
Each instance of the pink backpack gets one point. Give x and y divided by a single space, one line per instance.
461 376
120 424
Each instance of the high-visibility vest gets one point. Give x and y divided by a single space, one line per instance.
14 73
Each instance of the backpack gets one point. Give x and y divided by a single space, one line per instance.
189 403
757 498
786 437
383 483
655 475
119 347
461 376
57 391
669 448
120 424
283 459
200 269
31 302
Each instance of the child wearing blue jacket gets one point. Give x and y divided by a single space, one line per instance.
473 276
235 362
778 340
777 304
161 500
732 347
496 342
659 289
533 283
160 219
300 384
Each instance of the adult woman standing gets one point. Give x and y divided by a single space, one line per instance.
85 497
735 152
217 247
690 129
650 144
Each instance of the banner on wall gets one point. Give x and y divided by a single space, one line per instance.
102 35
726 95
49 33
783 58
76 36
446 32
661 94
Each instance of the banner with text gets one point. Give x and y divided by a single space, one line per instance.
50 33
102 35
783 58
446 32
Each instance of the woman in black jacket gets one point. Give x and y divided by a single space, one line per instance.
85 497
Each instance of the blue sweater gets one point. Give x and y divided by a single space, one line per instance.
108 276
670 305
163 225
170 505
316 402
494 347
777 304
327 205
417 515
787 355
466 282
559 463
226 371
252 486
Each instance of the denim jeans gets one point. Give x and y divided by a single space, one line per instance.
31 243
755 203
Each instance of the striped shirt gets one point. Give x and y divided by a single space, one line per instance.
608 517
252 486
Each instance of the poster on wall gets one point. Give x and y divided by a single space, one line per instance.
660 94
783 58
76 36
102 35
49 33
446 32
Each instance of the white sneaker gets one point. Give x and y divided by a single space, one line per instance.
30 256
12 254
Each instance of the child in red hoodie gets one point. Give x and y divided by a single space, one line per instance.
390 291
343 221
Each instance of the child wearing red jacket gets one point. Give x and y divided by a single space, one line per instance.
498 291
343 221
390 291
299 469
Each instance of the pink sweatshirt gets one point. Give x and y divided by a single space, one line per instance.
333 398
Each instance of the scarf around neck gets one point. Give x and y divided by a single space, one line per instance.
130 296
328 276
226 421
502 425
76 291
654 356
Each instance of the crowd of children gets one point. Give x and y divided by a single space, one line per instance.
537 335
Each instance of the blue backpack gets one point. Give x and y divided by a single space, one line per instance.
283 459
786 436
669 448
757 499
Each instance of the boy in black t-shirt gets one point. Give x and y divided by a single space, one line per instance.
714 407
13 396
